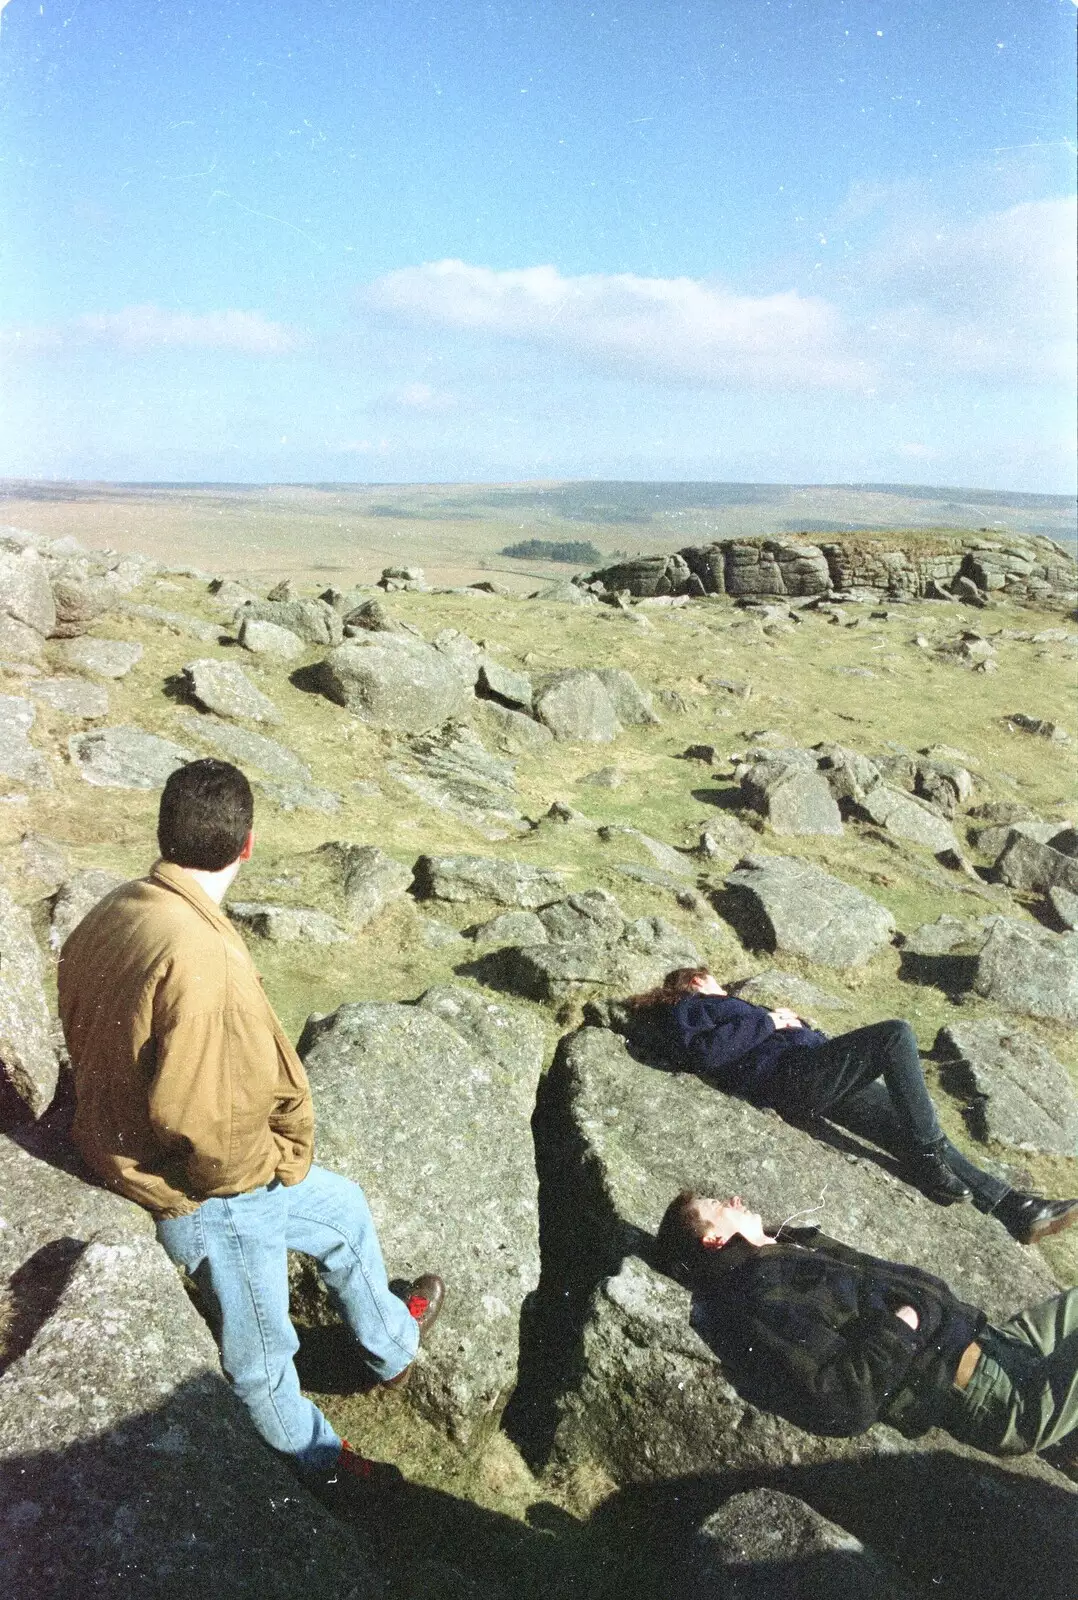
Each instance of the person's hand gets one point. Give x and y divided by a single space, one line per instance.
909 1316
783 1017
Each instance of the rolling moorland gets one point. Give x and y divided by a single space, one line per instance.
586 790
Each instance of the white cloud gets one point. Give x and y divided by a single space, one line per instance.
138 329
992 299
419 397
681 329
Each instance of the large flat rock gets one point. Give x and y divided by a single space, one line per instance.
648 1398
1019 1093
128 1467
427 1107
125 758
394 681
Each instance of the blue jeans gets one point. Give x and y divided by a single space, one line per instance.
841 1080
235 1249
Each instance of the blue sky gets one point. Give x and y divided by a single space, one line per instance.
809 242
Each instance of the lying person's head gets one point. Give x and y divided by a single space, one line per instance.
694 1226
204 822
675 986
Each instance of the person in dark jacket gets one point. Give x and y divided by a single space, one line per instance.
870 1080
836 1340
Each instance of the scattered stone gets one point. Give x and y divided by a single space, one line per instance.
590 946
1030 866
772 988
462 651
793 801
604 778
404 1130
76 899
282 590
994 840
394 681
590 917
125 758
28 1061
565 593
403 578
765 1545
72 696
287 924
99 658
224 688
1065 906
1026 968
793 906
301 797
245 747
1039 726
577 708
672 703
438 935
849 774
1021 1095
511 927
369 879
25 593
511 731
507 883
740 688
906 818
18 758
175 621
663 855
502 683
79 600
453 772
370 616
230 595
311 620
33 867
270 640
632 705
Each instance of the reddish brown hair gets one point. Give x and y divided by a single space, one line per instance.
674 987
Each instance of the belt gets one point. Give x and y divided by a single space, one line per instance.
967 1361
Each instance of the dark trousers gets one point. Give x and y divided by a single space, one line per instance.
841 1080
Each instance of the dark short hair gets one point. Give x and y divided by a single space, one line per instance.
206 812
677 1250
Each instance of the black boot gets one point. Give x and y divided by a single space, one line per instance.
1029 1217
928 1169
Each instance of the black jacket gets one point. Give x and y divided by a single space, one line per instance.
807 1328
733 1041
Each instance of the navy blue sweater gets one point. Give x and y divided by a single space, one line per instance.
735 1042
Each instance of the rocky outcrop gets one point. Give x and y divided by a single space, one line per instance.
76 898
310 620
18 758
100 658
426 1106
87 702
287 924
452 771
1026 568
366 878
271 640
27 609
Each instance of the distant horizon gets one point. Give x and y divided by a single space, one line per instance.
923 490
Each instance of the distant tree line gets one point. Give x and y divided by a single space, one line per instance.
579 550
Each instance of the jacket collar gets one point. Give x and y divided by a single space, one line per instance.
169 876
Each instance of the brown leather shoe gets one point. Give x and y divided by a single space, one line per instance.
424 1297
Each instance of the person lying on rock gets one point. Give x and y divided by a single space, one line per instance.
190 1100
835 1340
775 1058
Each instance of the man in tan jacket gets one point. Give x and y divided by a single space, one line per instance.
191 1101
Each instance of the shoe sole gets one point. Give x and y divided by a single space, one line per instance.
1044 1230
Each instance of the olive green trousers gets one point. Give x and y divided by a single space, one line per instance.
1023 1392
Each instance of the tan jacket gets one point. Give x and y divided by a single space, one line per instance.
185 1083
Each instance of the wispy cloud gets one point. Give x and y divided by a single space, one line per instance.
417 397
682 329
139 329
994 298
